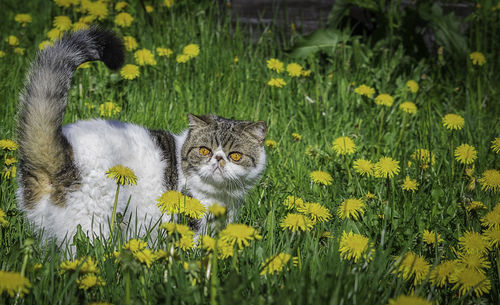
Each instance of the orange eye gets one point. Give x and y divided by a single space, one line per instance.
204 151
236 156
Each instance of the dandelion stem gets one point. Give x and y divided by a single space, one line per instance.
127 287
380 130
347 167
113 216
213 277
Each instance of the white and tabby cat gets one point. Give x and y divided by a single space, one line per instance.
62 181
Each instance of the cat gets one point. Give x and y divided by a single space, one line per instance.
62 180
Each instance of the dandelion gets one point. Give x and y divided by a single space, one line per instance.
191 50
344 146
122 174
297 222
109 109
90 281
217 210
8 173
473 242
363 167
63 3
365 90
351 208
13 283
474 260
495 145
149 9
467 280
465 154
124 19
120 5
84 265
166 52
130 72
315 211
135 245
474 206
3 221
207 242
492 235
409 300
275 263
275 65
442 273
386 167
353 246
173 228
145 256
97 9
453 121
431 238
294 69
23 19
276 82
271 143
384 99
292 202
412 86
423 157
2 53
490 180
477 58
408 107
492 218
130 43
19 51
62 23
168 3
77 26
410 184
7 144
182 58
144 57
414 266
321 177
306 73
296 137
54 34
170 202
240 234
185 243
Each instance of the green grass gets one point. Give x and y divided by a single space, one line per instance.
321 108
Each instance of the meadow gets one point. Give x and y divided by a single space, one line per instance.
382 183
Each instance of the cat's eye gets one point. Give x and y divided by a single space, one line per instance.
204 151
235 156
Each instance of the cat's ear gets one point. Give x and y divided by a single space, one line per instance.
257 129
198 121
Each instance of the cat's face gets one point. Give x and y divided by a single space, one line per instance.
224 152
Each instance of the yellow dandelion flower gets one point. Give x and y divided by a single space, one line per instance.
271 143
344 146
294 69
84 265
123 20
90 281
492 235
384 99
276 82
353 246
369 196
97 9
9 172
130 72
130 43
2 53
145 256
408 107
109 109
23 19
135 245
63 3
386 167
19 51
182 58
409 300
363 167
239 234
62 23
296 137
13 283
12 40
77 26
431 238
168 3
275 65
412 86
492 218
351 208
409 184
321 177
54 34
412 265
365 90
475 206
170 202
149 9
87 19
193 208
453 121
207 242
315 211
297 222
236 59
495 145
467 280
477 58
465 154
122 174
185 243
173 228
120 5
85 65
474 260
192 50
275 263
166 52
441 274
306 73
217 210
7 144
423 157
473 242
3 221
144 57
292 202
490 180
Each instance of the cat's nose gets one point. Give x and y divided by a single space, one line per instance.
218 158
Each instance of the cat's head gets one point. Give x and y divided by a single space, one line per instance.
224 152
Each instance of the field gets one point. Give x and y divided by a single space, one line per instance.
382 183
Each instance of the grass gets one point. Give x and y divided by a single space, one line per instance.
321 108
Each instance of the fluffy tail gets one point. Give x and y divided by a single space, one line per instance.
46 156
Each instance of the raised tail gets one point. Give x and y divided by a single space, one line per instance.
46 156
